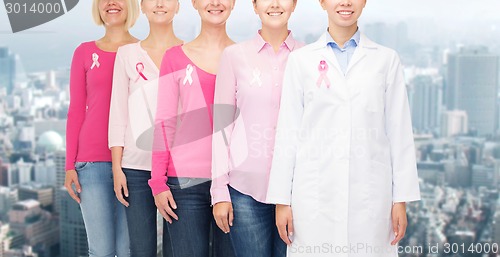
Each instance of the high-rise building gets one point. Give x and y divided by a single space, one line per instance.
4 174
496 223
483 176
20 172
73 235
7 70
472 85
426 102
453 123
42 193
8 196
45 172
60 166
38 227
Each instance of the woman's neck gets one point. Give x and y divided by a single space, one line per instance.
212 37
161 37
116 35
342 34
275 37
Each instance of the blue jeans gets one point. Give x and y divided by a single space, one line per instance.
192 233
103 215
254 232
141 216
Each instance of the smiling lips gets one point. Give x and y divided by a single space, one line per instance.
113 11
274 13
215 12
345 13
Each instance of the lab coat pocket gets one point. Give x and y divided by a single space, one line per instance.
305 191
381 190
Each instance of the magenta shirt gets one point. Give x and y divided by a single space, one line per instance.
249 80
88 113
182 145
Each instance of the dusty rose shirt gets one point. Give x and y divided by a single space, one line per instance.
88 113
248 92
182 144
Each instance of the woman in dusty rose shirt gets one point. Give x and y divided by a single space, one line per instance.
136 73
185 98
88 159
249 82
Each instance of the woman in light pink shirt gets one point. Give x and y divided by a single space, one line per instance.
135 75
88 159
249 83
181 163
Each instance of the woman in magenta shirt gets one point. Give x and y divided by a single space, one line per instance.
88 159
249 82
181 163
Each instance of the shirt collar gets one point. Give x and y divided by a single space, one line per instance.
259 42
354 41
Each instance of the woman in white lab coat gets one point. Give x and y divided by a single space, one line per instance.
344 162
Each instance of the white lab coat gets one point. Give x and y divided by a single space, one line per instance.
343 154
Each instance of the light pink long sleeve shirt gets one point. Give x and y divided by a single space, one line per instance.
248 92
88 113
182 145
135 74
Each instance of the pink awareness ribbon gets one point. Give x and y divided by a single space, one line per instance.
140 68
323 70
95 61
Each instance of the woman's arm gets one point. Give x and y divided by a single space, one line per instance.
164 131
399 132
287 140
118 122
77 106
224 113
76 116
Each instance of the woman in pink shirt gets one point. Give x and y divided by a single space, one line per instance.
136 73
181 163
88 159
249 82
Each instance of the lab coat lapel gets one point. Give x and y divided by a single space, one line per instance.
361 51
326 53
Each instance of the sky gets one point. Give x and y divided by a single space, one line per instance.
51 45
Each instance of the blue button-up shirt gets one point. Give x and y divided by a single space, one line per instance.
344 54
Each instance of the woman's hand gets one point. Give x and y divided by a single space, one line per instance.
120 185
284 222
399 221
72 178
223 214
165 203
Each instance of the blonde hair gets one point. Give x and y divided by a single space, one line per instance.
132 13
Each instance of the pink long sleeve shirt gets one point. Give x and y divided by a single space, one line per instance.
182 144
248 92
88 113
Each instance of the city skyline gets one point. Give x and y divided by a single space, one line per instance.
458 24
452 84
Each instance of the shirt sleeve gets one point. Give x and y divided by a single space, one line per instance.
164 126
405 187
77 106
224 113
118 112
287 135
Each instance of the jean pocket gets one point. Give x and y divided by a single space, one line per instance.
178 183
80 165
